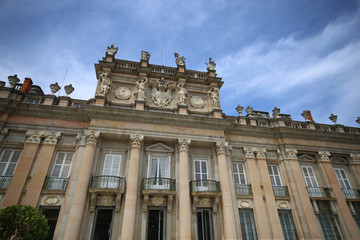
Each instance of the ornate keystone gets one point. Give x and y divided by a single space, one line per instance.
145 56
54 88
13 80
111 51
333 118
221 146
69 89
324 156
180 61
52 137
34 136
184 144
260 152
249 152
91 136
239 109
291 153
211 65
276 112
354 158
136 140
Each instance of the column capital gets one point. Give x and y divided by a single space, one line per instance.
34 136
260 152
249 152
52 137
92 136
3 133
324 156
354 158
221 146
136 140
291 153
184 144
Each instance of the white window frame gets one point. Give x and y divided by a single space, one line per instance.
62 164
313 187
112 155
9 161
274 176
158 183
238 173
342 180
202 186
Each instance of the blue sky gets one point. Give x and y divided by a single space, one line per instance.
296 55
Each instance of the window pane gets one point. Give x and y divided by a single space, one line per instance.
287 225
247 223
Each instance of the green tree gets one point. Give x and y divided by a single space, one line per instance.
19 222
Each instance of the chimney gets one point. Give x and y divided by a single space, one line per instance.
25 88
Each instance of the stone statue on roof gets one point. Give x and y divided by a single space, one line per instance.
111 51
180 61
211 65
145 56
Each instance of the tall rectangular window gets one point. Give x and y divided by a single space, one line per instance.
62 165
311 182
8 161
287 225
204 224
239 173
112 164
274 175
156 226
103 224
201 175
159 168
327 221
247 223
344 183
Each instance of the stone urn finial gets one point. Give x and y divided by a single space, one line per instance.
69 89
54 88
307 115
358 120
13 80
333 118
249 111
239 109
276 112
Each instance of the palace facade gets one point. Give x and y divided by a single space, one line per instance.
152 156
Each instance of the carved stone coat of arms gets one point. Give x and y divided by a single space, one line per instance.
161 93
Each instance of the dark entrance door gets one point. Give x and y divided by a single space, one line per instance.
204 224
156 224
51 215
103 221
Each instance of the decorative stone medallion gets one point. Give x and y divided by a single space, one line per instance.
123 93
283 205
52 200
245 204
197 102
158 201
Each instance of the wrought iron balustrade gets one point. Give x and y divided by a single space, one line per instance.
281 191
158 184
243 189
55 183
5 182
319 192
205 186
107 182
351 193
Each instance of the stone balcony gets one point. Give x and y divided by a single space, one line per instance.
205 193
351 193
281 192
158 192
243 190
107 184
55 184
317 192
5 182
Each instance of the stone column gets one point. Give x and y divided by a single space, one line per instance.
128 225
259 206
184 190
227 203
300 198
269 194
42 165
349 225
22 170
82 187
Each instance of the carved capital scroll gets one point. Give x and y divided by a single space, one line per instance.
221 146
52 137
324 156
91 136
34 136
136 140
249 152
291 153
354 158
260 152
184 144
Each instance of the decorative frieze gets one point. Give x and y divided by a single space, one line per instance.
91 136
291 153
184 144
324 156
354 158
249 152
136 140
221 146
34 136
52 137
260 152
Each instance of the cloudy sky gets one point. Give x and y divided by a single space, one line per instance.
296 55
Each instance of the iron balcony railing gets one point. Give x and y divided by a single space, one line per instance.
351 193
281 191
55 183
5 182
319 192
205 186
158 184
107 182
243 189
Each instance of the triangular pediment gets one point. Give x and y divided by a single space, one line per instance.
306 157
159 147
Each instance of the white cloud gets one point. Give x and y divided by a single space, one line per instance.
320 72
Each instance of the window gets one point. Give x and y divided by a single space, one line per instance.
103 224
239 173
311 182
274 175
357 213
204 224
159 168
287 225
8 162
33 101
51 214
201 175
344 183
328 226
247 223
62 165
112 164
156 227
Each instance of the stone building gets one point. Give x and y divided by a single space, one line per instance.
152 156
